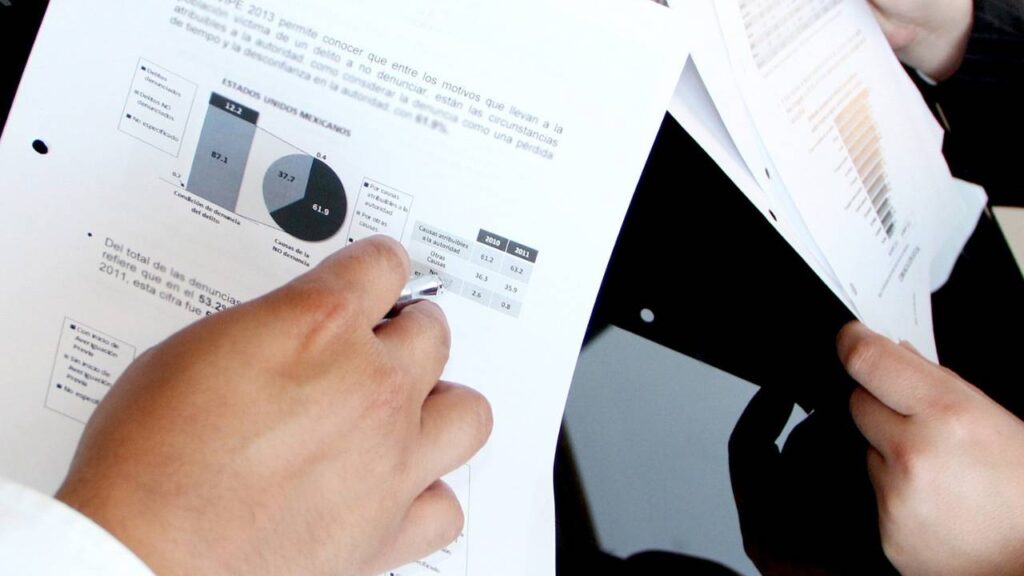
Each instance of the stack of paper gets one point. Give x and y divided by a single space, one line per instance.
186 155
803 104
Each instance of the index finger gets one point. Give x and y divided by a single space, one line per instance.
901 379
366 278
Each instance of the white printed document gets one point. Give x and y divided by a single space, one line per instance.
819 125
168 159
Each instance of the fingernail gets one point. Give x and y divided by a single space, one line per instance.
851 333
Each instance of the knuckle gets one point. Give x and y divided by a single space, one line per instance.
321 309
389 392
957 424
946 408
431 321
425 335
451 520
433 325
480 416
441 327
903 457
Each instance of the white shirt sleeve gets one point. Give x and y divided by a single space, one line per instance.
41 535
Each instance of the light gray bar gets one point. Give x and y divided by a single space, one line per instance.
221 157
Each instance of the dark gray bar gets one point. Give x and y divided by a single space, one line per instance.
492 240
878 191
887 219
884 207
520 251
877 169
248 114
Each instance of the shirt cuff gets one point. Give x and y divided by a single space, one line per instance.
41 535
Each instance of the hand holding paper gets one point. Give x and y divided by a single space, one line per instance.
945 461
845 157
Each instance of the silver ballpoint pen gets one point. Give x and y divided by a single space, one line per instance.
417 290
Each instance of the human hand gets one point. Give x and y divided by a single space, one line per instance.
929 35
792 503
946 461
294 434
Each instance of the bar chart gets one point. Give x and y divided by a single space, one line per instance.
223 151
859 133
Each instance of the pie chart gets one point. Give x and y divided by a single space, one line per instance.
305 197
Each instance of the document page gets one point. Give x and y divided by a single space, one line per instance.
830 102
708 103
166 160
694 109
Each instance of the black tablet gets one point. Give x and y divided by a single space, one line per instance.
19 22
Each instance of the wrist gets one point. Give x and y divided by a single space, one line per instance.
134 525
